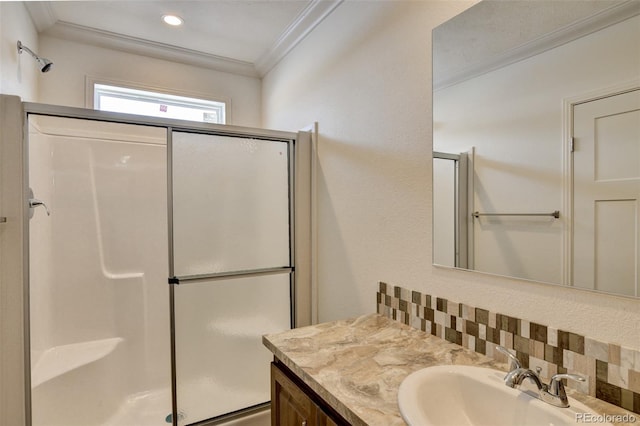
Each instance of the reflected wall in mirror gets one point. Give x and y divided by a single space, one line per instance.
542 99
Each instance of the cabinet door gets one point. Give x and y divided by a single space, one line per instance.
290 406
322 419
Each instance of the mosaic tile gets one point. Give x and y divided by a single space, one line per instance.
521 344
576 343
493 320
453 336
563 339
608 392
615 354
482 316
627 358
596 349
602 371
471 342
626 399
618 376
525 328
538 349
552 354
634 381
468 313
472 328
552 336
482 331
429 314
506 339
612 371
538 332
481 346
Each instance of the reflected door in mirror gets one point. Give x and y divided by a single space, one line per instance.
606 221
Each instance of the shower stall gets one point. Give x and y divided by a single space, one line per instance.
159 253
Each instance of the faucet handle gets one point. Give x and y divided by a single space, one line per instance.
515 363
556 380
556 387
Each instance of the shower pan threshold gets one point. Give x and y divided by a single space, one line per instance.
153 408
59 360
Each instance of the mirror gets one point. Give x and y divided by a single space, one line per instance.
536 139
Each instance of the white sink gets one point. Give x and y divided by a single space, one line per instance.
461 395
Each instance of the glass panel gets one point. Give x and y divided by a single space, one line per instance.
230 204
444 211
221 364
99 303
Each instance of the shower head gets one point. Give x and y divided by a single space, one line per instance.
45 64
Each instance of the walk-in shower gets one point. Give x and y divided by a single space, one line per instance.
167 254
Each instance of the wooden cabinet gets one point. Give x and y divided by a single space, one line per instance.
294 404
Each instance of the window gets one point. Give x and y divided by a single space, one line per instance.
142 102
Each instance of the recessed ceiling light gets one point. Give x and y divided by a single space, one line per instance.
172 20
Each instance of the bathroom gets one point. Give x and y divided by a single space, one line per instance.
364 75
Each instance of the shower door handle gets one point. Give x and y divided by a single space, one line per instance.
34 202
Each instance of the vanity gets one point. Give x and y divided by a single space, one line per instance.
349 371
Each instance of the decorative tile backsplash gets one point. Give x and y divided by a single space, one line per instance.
612 371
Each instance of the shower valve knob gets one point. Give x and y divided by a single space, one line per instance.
34 202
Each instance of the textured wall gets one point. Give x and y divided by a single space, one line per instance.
19 74
65 85
365 75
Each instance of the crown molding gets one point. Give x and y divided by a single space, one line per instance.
305 22
41 13
47 23
581 28
138 46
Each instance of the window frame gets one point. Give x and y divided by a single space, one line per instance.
91 100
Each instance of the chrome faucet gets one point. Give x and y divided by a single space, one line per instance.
554 393
514 362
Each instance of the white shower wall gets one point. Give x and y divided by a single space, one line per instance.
99 296
98 268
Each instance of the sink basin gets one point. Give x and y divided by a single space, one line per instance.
461 395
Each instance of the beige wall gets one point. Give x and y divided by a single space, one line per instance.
74 62
19 74
365 75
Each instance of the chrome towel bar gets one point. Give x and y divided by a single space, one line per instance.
555 214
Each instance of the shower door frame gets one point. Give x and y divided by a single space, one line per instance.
171 125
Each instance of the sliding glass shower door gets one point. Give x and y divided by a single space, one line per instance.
110 342
230 267
98 299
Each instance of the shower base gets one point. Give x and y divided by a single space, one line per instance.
153 408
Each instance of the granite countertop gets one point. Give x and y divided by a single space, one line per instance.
357 365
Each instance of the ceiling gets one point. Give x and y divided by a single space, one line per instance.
495 33
242 36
